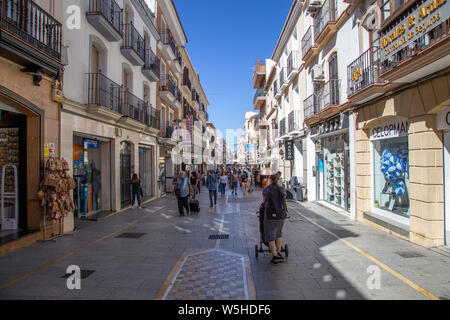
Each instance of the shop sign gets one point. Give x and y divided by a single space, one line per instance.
356 72
51 150
90 143
430 14
390 129
289 145
443 119
46 151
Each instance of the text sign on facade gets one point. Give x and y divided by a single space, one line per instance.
427 16
443 119
90 143
289 150
390 129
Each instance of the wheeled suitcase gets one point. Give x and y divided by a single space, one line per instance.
194 206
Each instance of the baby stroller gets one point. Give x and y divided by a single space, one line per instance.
260 249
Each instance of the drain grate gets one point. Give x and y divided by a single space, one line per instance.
219 237
409 254
130 235
84 274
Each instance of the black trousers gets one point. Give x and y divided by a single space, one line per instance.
183 202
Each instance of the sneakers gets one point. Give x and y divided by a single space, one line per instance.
274 260
280 257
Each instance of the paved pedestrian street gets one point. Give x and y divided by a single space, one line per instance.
153 253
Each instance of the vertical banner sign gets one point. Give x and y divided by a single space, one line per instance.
289 150
189 125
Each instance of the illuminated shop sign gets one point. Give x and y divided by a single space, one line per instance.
390 129
430 14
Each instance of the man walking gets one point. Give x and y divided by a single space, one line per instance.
182 191
211 185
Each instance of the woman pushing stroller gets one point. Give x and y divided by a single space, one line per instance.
275 211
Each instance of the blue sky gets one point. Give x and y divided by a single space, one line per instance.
224 40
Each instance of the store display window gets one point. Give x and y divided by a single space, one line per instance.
391 175
335 171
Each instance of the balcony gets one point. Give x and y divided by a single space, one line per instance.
294 121
168 45
410 58
30 37
106 17
282 77
293 65
133 47
195 99
178 100
168 89
325 22
151 66
176 64
282 128
309 50
259 75
151 116
327 96
259 99
363 77
186 81
104 96
310 106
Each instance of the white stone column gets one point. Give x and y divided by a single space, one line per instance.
311 162
351 140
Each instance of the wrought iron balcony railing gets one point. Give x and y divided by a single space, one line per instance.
132 107
186 80
328 13
151 61
293 62
294 121
104 92
132 39
167 130
364 71
168 84
328 94
167 39
32 24
151 116
310 106
110 10
282 127
307 41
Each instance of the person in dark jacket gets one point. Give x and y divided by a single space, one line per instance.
211 185
136 190
274 198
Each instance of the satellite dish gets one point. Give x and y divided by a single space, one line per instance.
372 18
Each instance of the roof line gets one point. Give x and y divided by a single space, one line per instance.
179 20
284 28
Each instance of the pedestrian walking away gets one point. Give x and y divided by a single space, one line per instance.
235 182
211 185
183 191
136 191
223 183
274 198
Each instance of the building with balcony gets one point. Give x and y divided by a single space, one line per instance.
109 118
30 87
399 89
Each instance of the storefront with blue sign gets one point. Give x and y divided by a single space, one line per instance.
91 168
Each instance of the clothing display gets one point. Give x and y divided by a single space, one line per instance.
9 155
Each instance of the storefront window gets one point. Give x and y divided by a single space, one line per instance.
391 175
335 171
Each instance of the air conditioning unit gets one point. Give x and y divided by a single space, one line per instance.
314 5
317 73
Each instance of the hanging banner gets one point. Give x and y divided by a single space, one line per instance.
289 149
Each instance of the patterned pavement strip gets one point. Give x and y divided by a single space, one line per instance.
210 275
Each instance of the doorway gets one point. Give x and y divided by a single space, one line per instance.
125 173
447 186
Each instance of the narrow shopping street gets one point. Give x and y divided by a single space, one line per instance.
153 253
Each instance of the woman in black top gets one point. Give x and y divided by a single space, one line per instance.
136 190
194 183
274 198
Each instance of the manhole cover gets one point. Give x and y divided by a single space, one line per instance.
84 274
219 236
409 254
130 235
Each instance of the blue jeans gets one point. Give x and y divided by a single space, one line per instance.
211 193
133 197
223 186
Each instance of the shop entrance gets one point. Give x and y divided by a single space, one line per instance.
91 171
13 179
146 171
125 173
